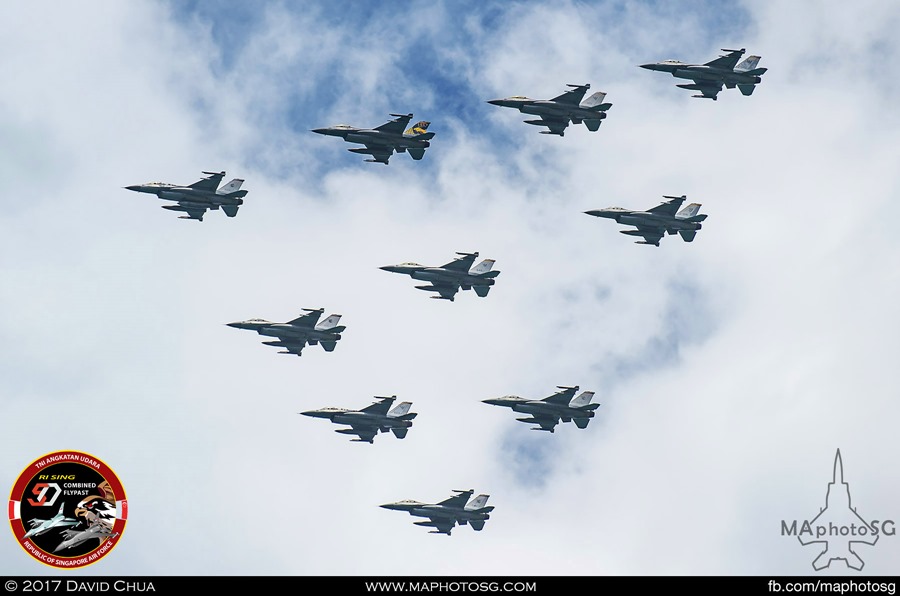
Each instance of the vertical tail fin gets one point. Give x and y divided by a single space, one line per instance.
749 63
582 400
482 267
689 211
400 409
233 186
594 102
329 323
418 128
477 503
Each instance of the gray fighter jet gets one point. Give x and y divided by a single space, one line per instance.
557 113
294 335
366 423
547 412
710 77
381 142
195 199
654 223
41 526
448 279
445 515
73 538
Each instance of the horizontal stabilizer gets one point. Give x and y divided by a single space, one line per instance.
482 290
756 72
477 524
416 152
230 210
592 125
581 422
400 432
687 235
328 345
747 89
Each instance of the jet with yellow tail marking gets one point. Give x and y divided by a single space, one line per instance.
382 141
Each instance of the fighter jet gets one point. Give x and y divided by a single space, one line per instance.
195 199
382 141
73 538
366 423
654 223
557 113
294 335
41 526
710 77
547 412
445 515
448 279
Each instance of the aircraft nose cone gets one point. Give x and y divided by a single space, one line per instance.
321 131
594 212
133 187
648 66
495 102
235 325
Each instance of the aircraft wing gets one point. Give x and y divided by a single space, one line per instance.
545 421
442 524
379 407
307 320
462 263
380 153
562 397
364 432
192 210
556 125
572 96
728 61
397 125
446 291
210 183
651 234
708 89
293 348
669 207
458 500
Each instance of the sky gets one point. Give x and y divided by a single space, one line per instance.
729 370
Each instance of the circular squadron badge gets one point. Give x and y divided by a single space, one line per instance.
68 509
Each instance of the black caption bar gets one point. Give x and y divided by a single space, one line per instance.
65 584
